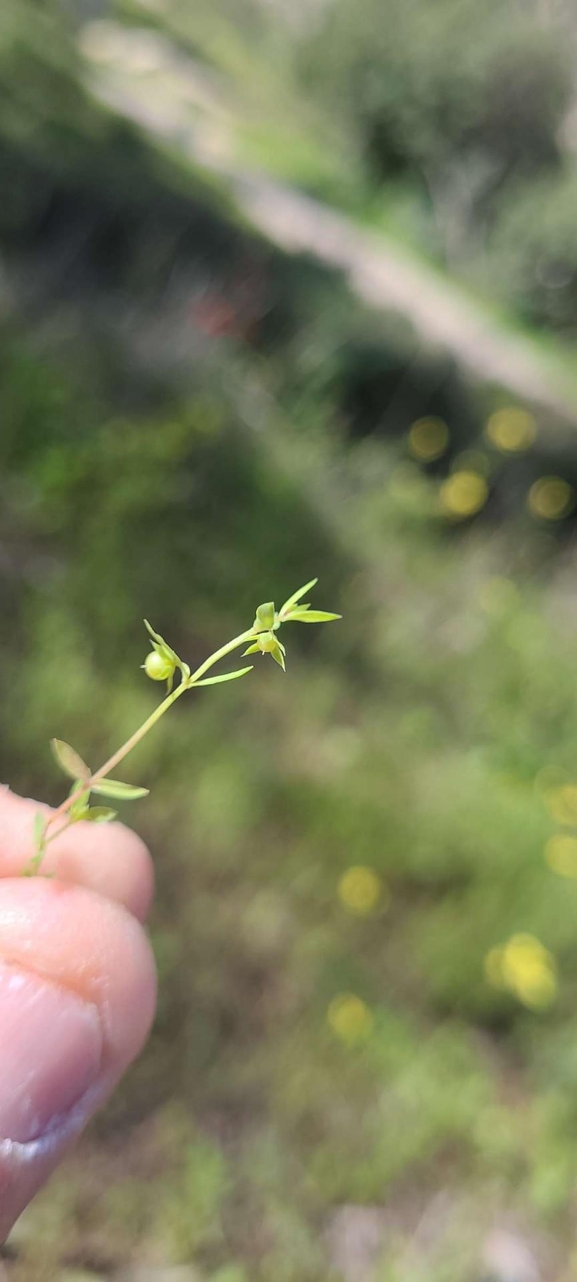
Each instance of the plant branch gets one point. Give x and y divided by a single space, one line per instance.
161 664
121 753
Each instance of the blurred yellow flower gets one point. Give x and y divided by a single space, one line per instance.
511 430
472 461
463 494
550 498
526 968
550 779
360 889
350 1018
561 854
428 439
562 803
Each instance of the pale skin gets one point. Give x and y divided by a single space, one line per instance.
77 988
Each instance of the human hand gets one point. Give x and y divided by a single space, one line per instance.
77 988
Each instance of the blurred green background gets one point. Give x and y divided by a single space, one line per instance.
291 290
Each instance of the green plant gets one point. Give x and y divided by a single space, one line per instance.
161 664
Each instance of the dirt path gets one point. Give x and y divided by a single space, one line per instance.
381 272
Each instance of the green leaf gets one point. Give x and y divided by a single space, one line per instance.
252 649
312 616
69 760
101 815
278 657
33 865
155 635
296 596
39 830
226 676
80 805
79 812
121 791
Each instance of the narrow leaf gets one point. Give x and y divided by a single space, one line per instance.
33 865
69 760
39 830
121 791
79 812
101 815
80 805
226 676
252 649
278 657
155 635
296 596
313 616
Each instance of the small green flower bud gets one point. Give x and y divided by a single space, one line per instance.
267 642
157 667
264 616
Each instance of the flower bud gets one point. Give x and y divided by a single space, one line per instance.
158 667
267 642
264 616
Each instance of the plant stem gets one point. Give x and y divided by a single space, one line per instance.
220 654
121 753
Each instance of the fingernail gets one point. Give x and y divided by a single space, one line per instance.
50 1053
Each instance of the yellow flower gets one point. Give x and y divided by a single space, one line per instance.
511 430
428 439
463 494
562 803
561 854
525 967
550 498
360 889
350 1018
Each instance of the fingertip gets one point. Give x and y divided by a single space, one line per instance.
65 953
71 936
107 858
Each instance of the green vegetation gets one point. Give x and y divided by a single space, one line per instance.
410 746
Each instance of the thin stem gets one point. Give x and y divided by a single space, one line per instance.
121 753
135 738
220 654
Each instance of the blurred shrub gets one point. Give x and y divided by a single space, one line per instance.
464 97
534 252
